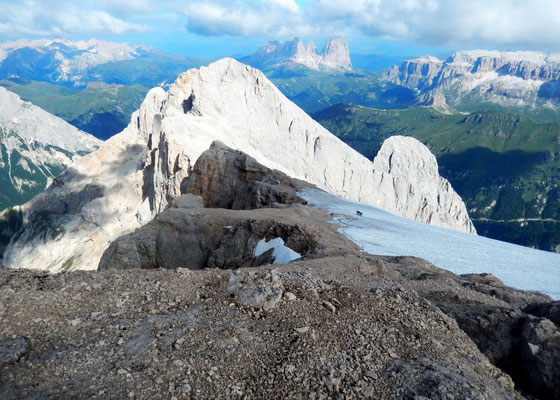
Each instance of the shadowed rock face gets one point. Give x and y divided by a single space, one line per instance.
227 178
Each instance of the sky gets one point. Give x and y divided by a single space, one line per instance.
211 28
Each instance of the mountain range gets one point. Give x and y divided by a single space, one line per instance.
76 63
209 220
525 81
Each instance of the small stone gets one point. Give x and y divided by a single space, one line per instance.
159 380
303 329
289 296
122 371
367 391
533 348
186 388
329 306
75 322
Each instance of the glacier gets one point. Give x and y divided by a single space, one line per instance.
381 233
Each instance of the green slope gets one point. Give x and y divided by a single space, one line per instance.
315 90
506 167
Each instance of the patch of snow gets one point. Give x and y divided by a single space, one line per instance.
381 233
281 253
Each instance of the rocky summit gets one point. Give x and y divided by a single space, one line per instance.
335 55
186 307
137 173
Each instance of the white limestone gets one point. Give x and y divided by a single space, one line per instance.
139 171
34 124
505 78
334 56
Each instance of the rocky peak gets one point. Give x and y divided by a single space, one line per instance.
336 53
334 56
139 171
408 170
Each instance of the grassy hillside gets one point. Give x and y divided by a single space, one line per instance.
505 166
102 110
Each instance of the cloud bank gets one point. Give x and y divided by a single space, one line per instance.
451 23
454 23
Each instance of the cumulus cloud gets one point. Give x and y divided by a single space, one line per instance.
442 23
244 18
58 17
456 23
486 23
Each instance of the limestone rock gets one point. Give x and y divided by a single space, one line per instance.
406 171
226 178
522 78
334 56
35 147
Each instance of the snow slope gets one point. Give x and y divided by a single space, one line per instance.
381 233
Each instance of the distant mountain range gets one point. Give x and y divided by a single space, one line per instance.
525 81
76 63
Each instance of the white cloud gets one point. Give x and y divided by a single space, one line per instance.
58 17
454 24
457 23
245 18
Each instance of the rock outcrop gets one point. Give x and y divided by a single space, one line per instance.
35 146
227 178
507 78
135 174
406 168
334 56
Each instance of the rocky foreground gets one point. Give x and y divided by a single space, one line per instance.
207 317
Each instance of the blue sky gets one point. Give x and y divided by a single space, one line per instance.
231 27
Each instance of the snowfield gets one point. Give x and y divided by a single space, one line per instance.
381 233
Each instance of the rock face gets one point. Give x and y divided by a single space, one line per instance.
135 174
227 178
508 78
334 56
407 168
35 146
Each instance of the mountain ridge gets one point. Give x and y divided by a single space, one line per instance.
135 174
511 79
35 147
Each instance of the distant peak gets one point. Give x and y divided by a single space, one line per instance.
334 56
